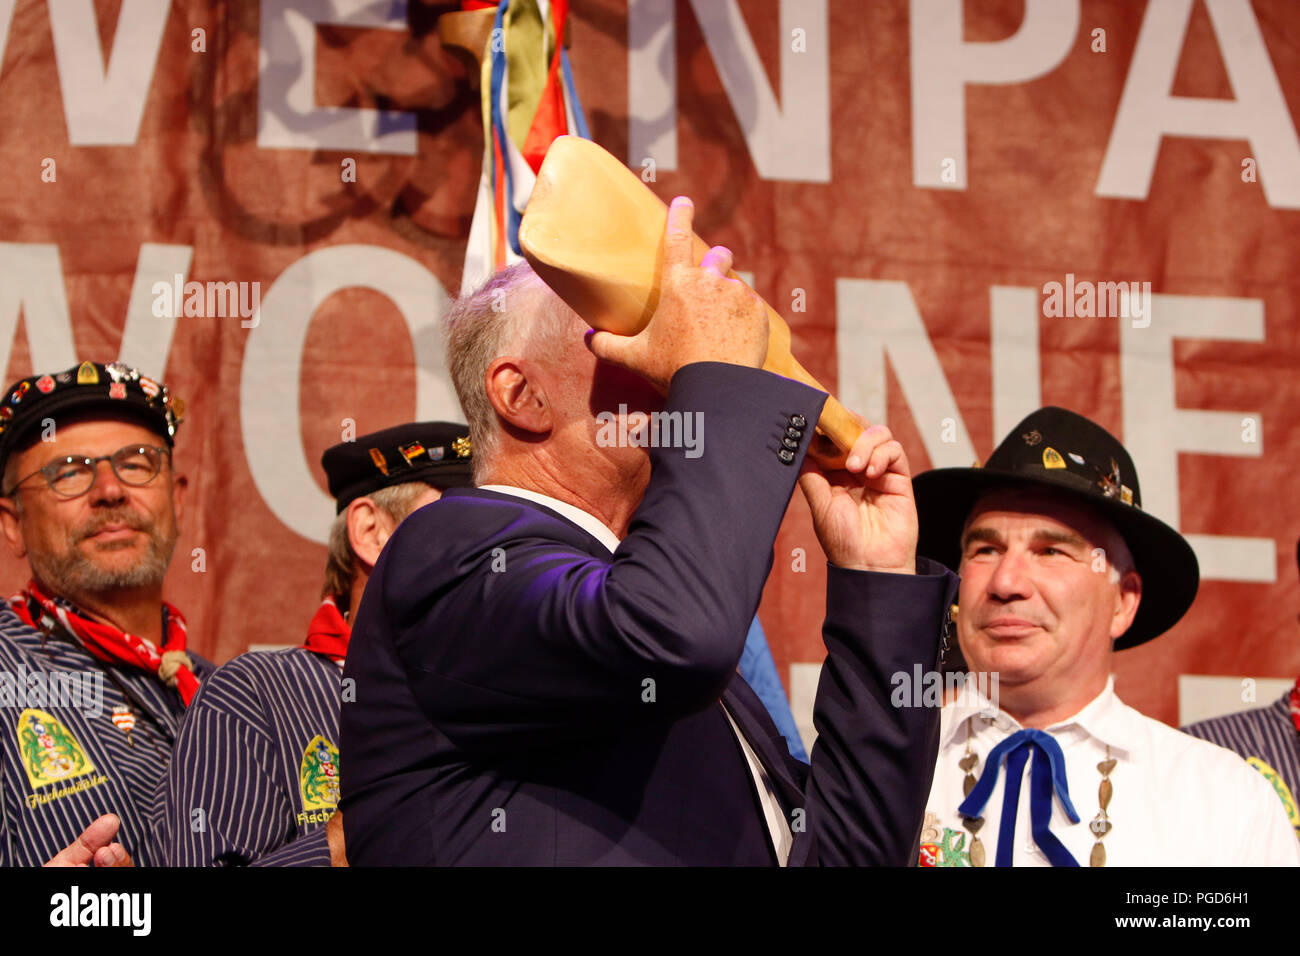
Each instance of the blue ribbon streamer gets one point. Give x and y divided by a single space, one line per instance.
579 118
514 216
498 124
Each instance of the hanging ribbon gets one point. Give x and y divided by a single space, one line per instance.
528 100
1047 776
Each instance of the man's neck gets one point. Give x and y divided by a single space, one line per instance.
136 611
1034 710
358 589
537 473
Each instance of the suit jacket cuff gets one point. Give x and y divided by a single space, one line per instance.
739 408
917 605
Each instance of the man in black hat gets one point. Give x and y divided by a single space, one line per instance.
1268 738
255 776
1060 567
94 671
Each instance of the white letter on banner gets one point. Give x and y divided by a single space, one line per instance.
147 338
287 114
6 15
875 318
1156 430
268 385
31 283
1148 112
103 107
652 83
1013 344
768 128
943 63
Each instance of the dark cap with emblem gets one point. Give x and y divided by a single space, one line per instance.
1060 450
435 453
87 387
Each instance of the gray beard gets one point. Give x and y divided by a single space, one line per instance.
72 573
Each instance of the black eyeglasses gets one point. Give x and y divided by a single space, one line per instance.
74 475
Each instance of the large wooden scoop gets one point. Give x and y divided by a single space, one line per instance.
594 232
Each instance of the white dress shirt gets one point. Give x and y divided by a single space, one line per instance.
777 825
1177 800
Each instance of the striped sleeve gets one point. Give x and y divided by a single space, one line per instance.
258 737
223 807
6 838
311 850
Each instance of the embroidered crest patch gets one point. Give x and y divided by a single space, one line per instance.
942 846
49 752
1283 791
319 775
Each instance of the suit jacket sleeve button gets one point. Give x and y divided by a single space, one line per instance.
790 443
798 421
786 455
793 432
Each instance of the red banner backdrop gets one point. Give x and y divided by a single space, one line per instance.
903 180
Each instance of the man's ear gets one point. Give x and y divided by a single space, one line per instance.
518 397
180 485
1126 608
369 527
12 527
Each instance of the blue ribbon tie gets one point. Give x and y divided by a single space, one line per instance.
1047 776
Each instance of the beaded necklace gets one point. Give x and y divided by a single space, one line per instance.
1099 826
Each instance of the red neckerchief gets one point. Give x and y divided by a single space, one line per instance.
1295 705
171 664
328 633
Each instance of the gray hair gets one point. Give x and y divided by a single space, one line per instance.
396 501
500 316
1119 559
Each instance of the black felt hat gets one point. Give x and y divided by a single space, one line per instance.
1060 450
436 453
90 386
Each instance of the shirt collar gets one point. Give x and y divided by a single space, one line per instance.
1105 717
584 520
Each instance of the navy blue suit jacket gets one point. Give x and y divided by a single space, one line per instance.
524 697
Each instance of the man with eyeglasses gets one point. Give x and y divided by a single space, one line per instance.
94 671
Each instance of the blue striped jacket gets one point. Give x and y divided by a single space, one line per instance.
255 774
64 760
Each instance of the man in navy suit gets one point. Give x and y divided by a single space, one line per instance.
545 664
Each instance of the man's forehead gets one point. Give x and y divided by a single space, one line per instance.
89 433
1036 510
